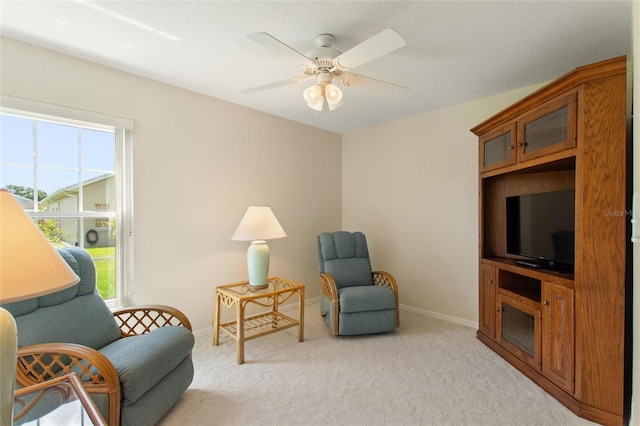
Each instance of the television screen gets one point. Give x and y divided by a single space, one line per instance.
542 226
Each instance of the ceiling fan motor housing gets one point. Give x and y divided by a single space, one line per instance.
323 54
324 77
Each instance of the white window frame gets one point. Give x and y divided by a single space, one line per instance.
123 129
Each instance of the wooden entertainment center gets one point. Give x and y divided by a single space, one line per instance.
567 331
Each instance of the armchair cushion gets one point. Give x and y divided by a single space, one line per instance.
371 322
345 256
364 299
142 361
62 316
67 322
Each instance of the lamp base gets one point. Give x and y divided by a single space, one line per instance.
258 287
258 263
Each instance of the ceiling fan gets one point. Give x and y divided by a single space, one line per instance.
324 64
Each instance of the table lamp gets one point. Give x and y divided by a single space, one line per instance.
29 267
258 225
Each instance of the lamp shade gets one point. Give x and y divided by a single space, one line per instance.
29 265
258 223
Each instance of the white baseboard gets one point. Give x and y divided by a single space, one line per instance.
423 312
437 315
294 306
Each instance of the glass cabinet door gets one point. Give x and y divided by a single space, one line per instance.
548 129
497 148
518 329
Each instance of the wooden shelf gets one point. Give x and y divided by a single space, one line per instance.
260 325
540 274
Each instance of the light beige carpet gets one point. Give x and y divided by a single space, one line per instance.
428 372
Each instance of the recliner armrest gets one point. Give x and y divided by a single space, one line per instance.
328 286
39 363
137 320
383 278
329 289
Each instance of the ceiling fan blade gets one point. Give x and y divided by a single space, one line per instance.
270 42
362 82
277 84
379 45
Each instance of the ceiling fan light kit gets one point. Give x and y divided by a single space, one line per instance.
324 64
314 96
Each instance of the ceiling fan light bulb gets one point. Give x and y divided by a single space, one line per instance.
333 94
312 94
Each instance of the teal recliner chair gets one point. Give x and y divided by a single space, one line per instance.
355 299
135 363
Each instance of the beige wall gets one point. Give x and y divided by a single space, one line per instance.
412 187
198 163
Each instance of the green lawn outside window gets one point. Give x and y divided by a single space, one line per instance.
105 261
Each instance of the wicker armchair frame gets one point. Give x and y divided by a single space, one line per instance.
142 319
329 289
39 363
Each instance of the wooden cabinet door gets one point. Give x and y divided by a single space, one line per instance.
558 343
548 129
487 320
518 329
497 148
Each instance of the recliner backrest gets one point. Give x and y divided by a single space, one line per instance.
77 314
345 256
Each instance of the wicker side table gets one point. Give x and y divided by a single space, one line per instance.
246 328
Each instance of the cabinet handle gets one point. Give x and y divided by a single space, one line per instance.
510 147
490 281
522 143
497 309
545 302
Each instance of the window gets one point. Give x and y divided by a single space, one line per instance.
71 178
102 222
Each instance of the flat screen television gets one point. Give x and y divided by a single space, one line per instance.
542 227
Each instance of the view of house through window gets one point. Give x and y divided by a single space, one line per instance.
65 178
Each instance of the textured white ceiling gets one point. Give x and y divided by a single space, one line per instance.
456 51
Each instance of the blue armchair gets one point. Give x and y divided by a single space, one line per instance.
355 299
135 363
